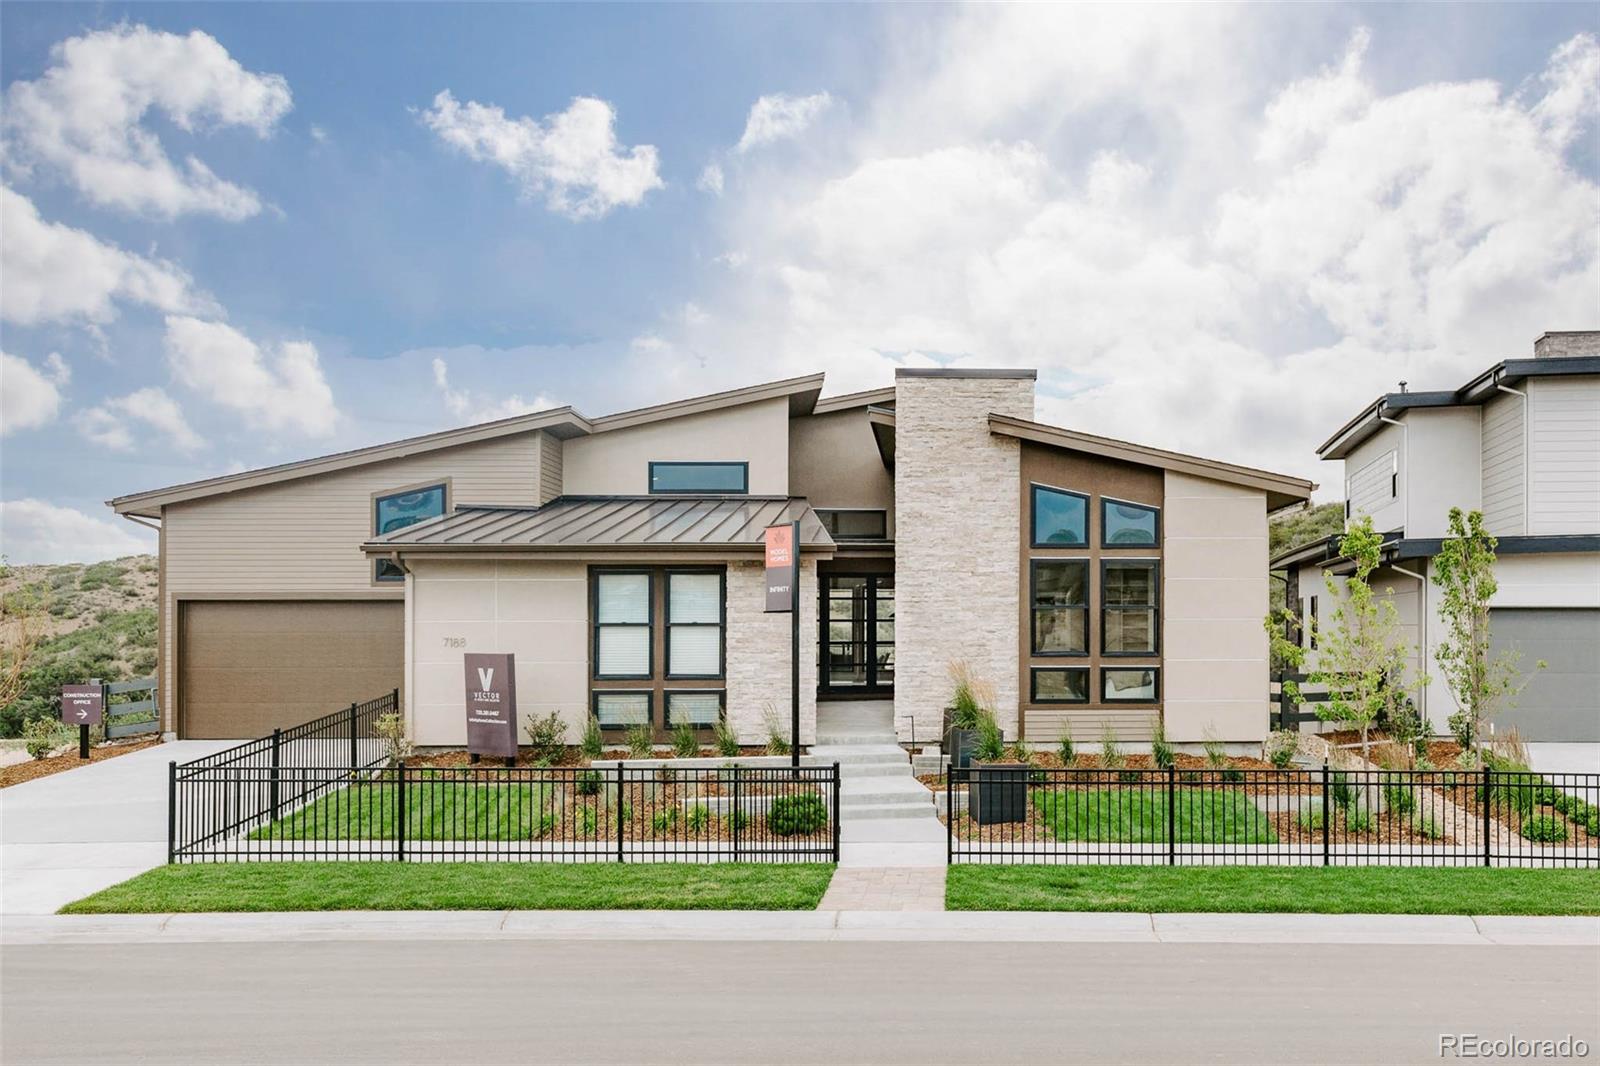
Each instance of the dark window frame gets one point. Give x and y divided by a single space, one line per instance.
721 623
1106 563
595 625
649 707
1107 502
379 578
881 512
1311 629
1033 684
1036 487
744 477
1114 701
1034 608
666 707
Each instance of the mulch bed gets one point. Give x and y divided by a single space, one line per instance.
569 757
37 768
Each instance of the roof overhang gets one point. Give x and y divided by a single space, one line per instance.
1399 549
852 401
881 421
1282 490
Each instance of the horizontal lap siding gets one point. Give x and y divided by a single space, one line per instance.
1564 439
1504 513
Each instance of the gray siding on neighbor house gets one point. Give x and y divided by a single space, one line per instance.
1564 440
1503 458
1561 703
550 467
1371 487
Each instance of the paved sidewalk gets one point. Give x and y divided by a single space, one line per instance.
885 888
1008 926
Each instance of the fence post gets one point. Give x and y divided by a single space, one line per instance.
400 811
1488 793
949 813
172 811
1327 812
836 812
1172 816
619 812
733 818
277 761
352 739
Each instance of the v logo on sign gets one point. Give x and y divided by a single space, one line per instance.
486 677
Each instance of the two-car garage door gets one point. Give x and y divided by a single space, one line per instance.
247 667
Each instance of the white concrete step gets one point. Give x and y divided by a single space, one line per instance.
883 786
848 770
825 740
876 811
853 753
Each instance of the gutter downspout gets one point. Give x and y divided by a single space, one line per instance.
1527 453
142 522
1423 610
408 611
1405 448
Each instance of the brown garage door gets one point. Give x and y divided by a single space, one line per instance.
249 667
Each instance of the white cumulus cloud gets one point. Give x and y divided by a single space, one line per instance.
571 158
711 179
55 273
85 119
780 116
29 397
35 531
470 407
113 423
279 390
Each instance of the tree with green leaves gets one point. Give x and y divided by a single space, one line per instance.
1481 683
1361 658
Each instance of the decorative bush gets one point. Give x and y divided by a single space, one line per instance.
1160 748
685 741
1110 751
699 818
39 736
1281 746
588 782
1232 776
1425 826
738 820
587 821
547 736
663 820
1216 751
641 741
1066 752
593 744
1020 752
1399 796
1340 790
1591 824
391 730
1357 820
1545 829
1309 818
1564 802
991 746
792 815
726 740
1546 795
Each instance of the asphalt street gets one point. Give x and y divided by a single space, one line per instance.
775 1002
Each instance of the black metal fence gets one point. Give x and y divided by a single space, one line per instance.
238 812
1324 816
347 738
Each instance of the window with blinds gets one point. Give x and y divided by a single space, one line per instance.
622 625
657 651
694 625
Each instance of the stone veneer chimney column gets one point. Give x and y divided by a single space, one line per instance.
958 514
1561 344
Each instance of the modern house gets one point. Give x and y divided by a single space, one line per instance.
1093 582
1521 443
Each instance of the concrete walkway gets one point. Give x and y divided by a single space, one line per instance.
885 888
73 833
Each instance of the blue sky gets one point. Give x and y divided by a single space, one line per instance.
1212 229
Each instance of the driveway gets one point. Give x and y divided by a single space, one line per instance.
73 833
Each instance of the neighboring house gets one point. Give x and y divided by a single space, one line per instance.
1092 582
1521 443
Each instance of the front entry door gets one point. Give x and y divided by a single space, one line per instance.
857 634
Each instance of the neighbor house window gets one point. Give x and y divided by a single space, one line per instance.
1130 606
699 710
621 710
400 509
1311 630
1139 684
699 477
1128 525
854 524
622 628
1060 606
694 624
1069 684
1060 518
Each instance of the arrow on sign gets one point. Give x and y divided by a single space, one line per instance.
82 714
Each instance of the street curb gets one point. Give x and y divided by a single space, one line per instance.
1015 926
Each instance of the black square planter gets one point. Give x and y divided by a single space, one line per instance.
960 744
998 792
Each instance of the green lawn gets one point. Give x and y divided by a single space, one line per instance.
1370 890
1139 816
335 886
436 809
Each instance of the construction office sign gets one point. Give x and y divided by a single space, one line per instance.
82 704
782 568
491 704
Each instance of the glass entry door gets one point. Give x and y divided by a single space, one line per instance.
857 633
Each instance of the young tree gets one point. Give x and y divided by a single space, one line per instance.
1480 683
1361 659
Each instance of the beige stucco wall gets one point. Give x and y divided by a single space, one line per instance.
758 654
537 611
958 511
1445 451
1214 594
834 462
617 462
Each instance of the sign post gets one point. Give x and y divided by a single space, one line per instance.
491 705
783 594
83 706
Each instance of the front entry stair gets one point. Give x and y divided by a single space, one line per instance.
875 772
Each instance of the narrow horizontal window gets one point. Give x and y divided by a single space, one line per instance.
621 710
399 510
1129 525
702 710
699 477
1060 518
1139 684
1130 591
1068 684
1060 606
854 525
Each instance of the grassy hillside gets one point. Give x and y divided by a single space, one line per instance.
1304 527
97 620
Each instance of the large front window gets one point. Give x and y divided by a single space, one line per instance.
1130 602
1060 607
657 646
398 510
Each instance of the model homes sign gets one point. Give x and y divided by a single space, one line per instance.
780 567
491 704
82 704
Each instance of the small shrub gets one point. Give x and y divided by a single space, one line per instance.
1309 818
1216 751
1160 748
1038 777
792 815
971 696
547 736
1110 751
991 746
1340 791
685 741
1020 752
699 817
1546 795
1357 820
39 736
738 820
593 744
1066 752
777 735
588 822
589 782
543 826
1424 826
1232 775
1544 829
1281 746
1399 796
1591 824
641 741
664 820
726 740
1564 803
391 729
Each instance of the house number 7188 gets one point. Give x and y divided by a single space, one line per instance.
455 642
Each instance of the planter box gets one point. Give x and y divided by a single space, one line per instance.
960 743
998 792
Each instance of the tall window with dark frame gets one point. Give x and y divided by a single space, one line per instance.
694 624
399 510
1130 606
667 478
622 625
1060 606
657 648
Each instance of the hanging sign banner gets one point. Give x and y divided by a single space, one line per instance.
780 569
